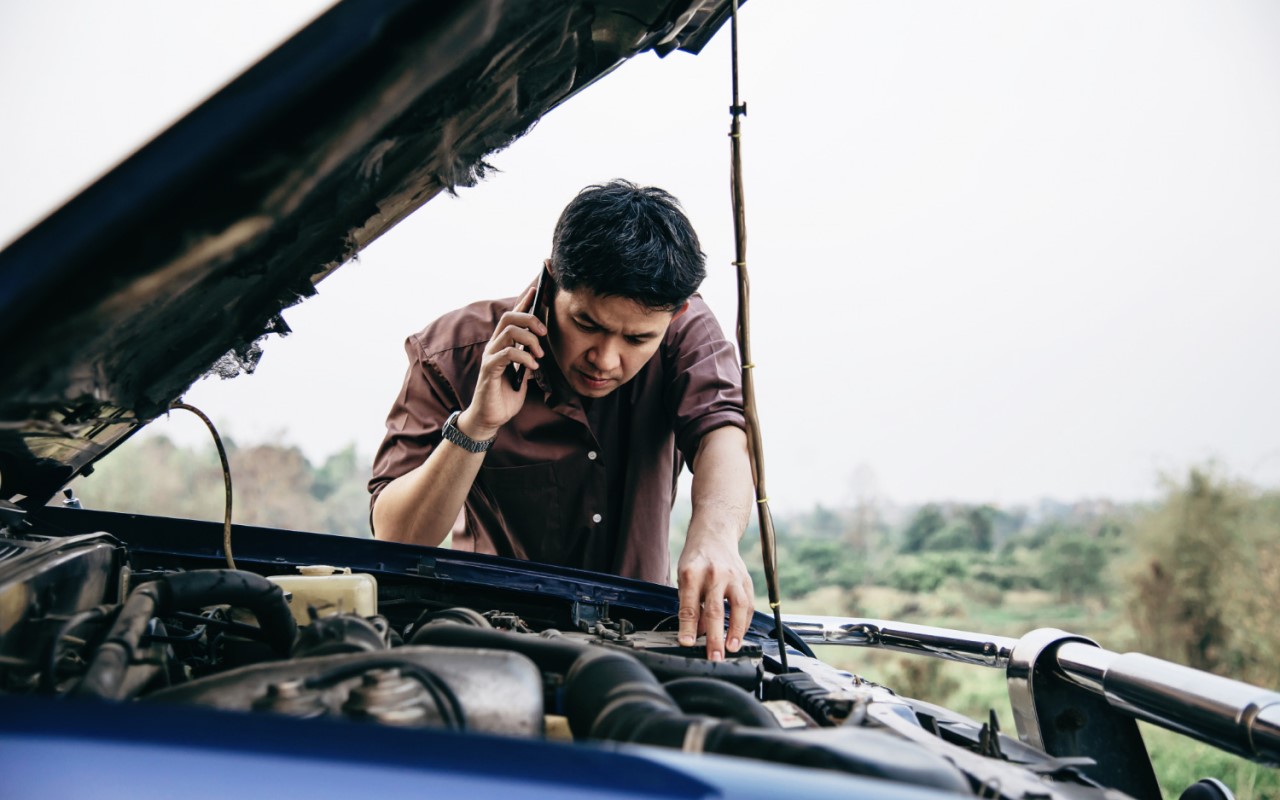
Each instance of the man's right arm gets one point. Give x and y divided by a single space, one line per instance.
421 505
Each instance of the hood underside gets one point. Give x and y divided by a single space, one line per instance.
176 262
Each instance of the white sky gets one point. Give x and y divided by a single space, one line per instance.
999 250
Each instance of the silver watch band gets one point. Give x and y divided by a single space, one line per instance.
453 434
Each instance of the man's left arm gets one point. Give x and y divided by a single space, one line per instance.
710 569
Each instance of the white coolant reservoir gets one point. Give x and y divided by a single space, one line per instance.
329 590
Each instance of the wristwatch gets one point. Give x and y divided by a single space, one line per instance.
462 440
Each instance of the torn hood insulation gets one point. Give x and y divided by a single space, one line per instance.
178 261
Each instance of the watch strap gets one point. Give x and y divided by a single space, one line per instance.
455 435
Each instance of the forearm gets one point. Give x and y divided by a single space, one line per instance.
711 570
722 486
421 506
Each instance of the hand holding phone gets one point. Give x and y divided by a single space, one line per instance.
514 372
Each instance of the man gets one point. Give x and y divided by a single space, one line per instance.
557 423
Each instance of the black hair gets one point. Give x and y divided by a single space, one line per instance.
622 240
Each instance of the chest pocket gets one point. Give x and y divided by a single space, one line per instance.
525 503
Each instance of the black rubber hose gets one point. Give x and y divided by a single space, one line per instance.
105 677
461 615
559 653
610 695
721 700
208 587
108 674
607 692
668 667
555 655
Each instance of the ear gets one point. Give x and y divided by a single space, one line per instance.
550 288
550 279
681 310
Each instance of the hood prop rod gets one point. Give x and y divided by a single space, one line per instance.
768 541
226 476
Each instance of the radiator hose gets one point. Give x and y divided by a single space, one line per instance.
721 700
113 674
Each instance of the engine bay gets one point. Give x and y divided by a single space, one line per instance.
93 617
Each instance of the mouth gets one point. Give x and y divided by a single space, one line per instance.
593 382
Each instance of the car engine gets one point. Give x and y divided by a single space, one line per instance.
87 617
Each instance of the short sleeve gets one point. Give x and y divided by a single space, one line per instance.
415 421
704 385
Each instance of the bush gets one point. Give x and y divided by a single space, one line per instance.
1073 566
927 521
927 572
1206 578
1009 575
808 564
958 535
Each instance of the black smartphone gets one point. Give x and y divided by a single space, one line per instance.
514 372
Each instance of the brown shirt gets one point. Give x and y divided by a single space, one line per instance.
589 487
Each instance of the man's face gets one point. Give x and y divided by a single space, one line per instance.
601 343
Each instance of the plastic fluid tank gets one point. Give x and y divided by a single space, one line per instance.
329 590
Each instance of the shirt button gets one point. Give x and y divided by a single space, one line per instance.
593 455
596 517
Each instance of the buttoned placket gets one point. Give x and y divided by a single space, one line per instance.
572 409
593 455
599 477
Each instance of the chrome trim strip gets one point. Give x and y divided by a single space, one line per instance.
1225 713
904 637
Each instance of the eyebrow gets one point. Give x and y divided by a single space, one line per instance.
586 319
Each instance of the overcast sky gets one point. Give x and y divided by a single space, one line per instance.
999 250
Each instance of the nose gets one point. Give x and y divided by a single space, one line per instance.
604 357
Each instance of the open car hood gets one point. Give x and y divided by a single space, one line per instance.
177 261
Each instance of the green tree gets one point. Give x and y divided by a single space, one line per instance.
1190 553
955 535
824 522
340 469
814 563
982 521
925 573
927 521
1073 566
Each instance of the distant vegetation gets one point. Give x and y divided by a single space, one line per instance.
1191 578
273 485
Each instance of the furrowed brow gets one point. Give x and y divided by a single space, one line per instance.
584 318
